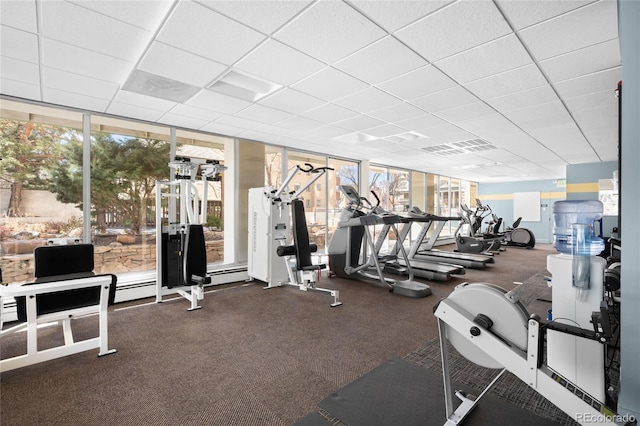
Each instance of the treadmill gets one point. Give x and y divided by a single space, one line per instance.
428 253
423 268
353 234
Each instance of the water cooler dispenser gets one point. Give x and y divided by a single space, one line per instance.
577 290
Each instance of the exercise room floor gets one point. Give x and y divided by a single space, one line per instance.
248 357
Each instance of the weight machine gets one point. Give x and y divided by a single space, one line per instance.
181 258
269 258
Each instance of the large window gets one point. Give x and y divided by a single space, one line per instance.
127 158
40 183
399 190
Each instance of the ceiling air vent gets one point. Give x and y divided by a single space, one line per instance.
462 147
159 87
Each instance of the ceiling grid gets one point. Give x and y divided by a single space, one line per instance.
394 82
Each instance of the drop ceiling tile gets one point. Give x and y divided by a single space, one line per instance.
222 129
134 111
539 116
92 31
209 34
299 123
235 121
217 102
78 84
583 27
368 100
596 82
516 80
393 15
381 61
420 143
19 14
328 131
420 123
291 101
495 57
594 58
330 113
562 138
604 117
602 99
197 113
84 62
448 133
386 130
76 100
397 112
137 99
466 112
445 99
143 14
525 13
417 83
329 31
439 35
279 63
18 44
523 99
330 84
14 69
359 123
272 129
353 138
265 16
263 114
19 89
176 64
183 121
385 146
481 123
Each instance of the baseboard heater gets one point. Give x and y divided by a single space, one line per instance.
128 291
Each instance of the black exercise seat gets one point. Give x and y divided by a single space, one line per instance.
303 248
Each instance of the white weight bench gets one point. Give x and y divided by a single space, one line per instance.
31 293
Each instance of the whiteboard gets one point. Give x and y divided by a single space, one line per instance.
527 206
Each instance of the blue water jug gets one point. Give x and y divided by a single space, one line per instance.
569 212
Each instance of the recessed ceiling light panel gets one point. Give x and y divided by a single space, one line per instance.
243 86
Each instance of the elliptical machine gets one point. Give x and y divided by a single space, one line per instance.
513 235
519 237
469 239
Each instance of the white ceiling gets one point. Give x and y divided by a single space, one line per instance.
399 83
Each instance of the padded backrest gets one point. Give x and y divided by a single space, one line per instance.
63 260
195 254
300 234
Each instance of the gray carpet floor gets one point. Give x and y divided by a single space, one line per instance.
248 357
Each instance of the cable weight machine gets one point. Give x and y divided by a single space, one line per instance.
181 258
270 232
